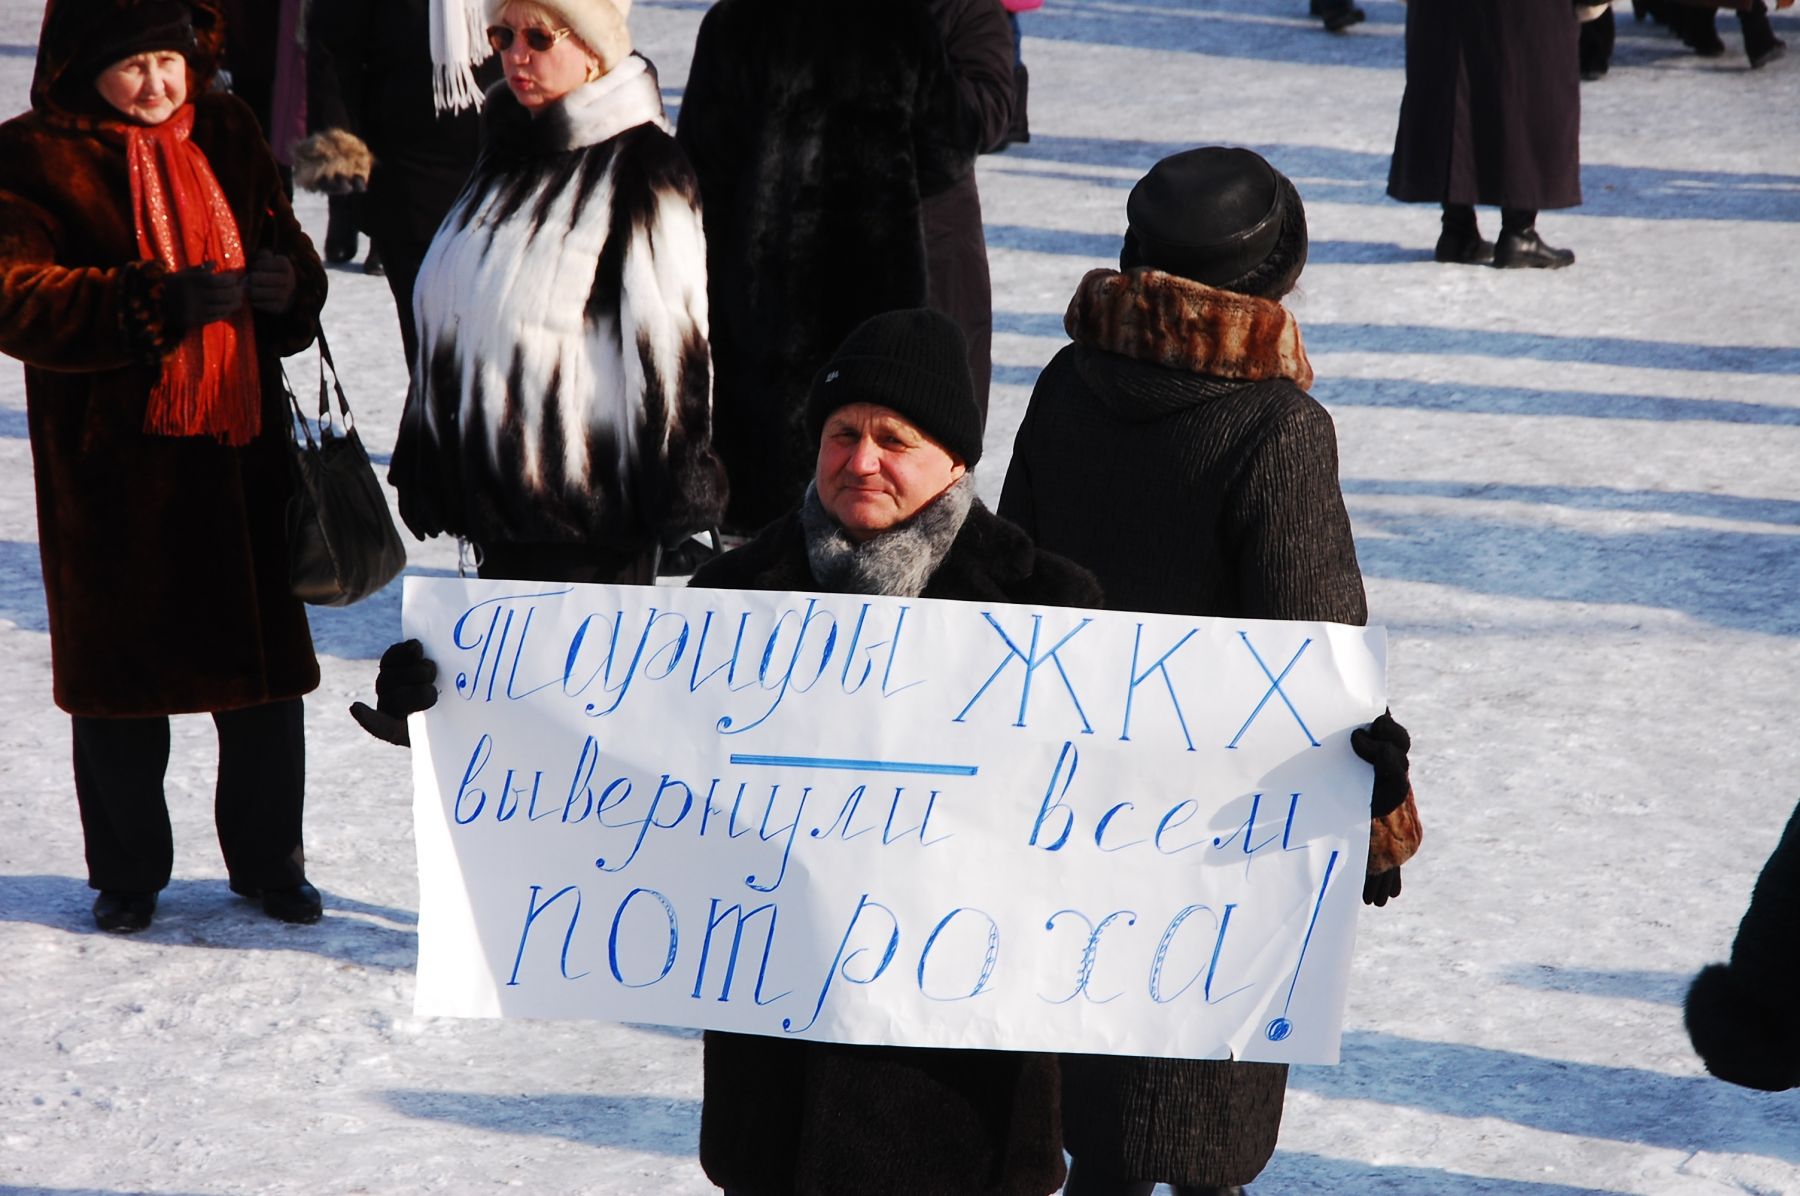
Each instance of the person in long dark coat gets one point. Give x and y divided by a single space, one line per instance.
891 510
1491 116
377 131
979 42
152 276
819 130
1187 376
1743 1017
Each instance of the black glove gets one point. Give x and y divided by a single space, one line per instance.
1384 744
272 283
403 686
197 297
1379 887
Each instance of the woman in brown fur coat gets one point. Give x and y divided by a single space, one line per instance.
1188 376
151 276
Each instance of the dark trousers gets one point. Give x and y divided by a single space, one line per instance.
119 767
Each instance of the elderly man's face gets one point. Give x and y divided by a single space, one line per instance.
877 469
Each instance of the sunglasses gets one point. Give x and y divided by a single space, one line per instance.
538 40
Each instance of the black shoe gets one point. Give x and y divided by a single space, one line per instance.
123 913
1764 55
1463 249
1342 17
1704 42
372 263
1526 250
300 904
340 242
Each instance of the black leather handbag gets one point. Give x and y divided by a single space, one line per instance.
342 543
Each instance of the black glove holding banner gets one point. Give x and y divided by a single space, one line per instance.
1379 887
1384 744
404 686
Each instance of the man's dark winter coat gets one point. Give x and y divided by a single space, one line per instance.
979 41
817 130
165 558
1744 1017
1492 111
1233 510
784 1118
369 72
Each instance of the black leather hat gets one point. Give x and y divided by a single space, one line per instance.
1210 214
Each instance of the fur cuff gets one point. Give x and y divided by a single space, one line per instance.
143 317
1172 321
1741 1038
1394 838
335 161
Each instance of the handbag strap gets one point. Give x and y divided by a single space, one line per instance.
337 385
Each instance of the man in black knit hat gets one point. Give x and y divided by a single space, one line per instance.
891 510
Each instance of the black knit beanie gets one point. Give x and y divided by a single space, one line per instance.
138 29
915 362
1210 214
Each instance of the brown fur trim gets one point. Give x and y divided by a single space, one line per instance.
1395 838
334 161
1163 318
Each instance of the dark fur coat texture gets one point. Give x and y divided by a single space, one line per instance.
165 559
1744 1016
818 1119
817 130
1172 450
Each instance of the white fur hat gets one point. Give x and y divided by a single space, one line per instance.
600 24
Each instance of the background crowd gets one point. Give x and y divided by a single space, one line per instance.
578 497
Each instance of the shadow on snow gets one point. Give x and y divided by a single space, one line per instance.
653 1125
1586 1100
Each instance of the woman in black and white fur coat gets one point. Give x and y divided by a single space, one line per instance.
561 412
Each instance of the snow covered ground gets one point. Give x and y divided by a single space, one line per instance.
1575 503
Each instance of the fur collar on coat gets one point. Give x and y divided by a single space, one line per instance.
990 559
1172 321
562 390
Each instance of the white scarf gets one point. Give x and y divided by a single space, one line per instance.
458 46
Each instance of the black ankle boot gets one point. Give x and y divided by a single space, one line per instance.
1761 46
299 904
1460 243
123 913
1519 249
1340 16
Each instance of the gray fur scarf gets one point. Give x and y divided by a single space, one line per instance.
899 562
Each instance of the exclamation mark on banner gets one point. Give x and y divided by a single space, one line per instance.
1280 1028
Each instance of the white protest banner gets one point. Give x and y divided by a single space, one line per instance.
891 821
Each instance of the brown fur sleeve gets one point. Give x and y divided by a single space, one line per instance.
1395 838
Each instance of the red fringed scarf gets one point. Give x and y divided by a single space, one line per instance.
209 384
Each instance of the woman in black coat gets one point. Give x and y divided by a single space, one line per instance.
1491 115
1187 376
821 133
891 510
369 96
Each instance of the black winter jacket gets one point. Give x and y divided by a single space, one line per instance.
1171 451
785 1118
